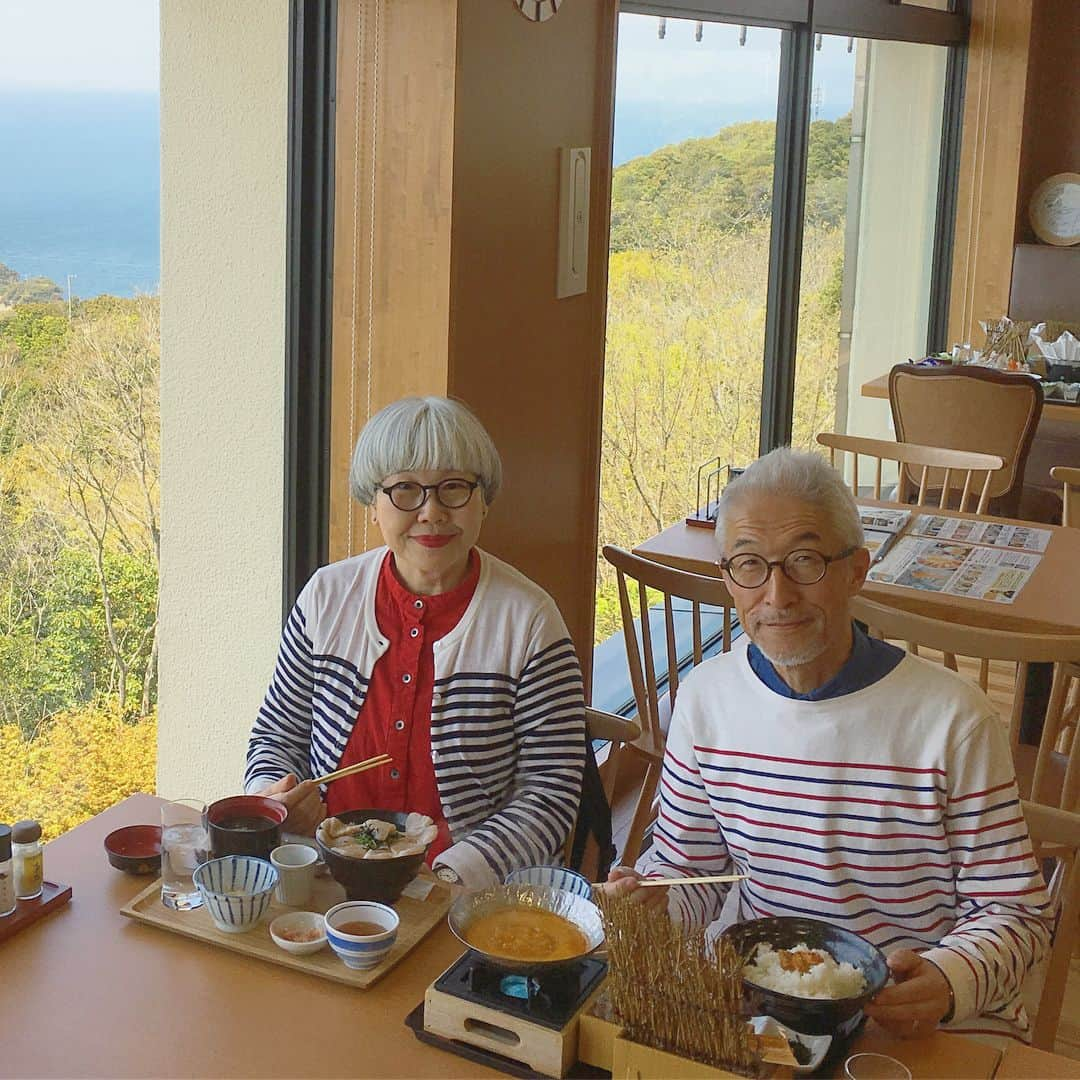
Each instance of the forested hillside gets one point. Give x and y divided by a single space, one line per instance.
686 320
79 452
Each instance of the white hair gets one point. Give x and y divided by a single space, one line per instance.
799 475
419 434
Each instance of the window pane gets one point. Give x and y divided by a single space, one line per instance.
695 132
869 237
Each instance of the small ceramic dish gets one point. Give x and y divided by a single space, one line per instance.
816 1046
135 849
361 951
292 932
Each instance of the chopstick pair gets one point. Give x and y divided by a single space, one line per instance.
352 770
715 879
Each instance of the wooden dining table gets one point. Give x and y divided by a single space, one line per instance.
86 992
1049 603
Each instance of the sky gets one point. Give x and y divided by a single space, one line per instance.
79 45
717 70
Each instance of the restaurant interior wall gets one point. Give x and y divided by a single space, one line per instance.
1051 138
453 255
224 93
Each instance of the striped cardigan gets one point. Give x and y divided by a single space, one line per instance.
892 811
507 711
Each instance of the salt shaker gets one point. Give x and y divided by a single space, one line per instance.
29 862
7 877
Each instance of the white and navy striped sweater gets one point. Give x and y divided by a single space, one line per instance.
507 711
892 811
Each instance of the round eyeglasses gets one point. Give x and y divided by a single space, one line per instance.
453 494
804 566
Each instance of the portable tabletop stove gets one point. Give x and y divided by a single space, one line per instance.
529 1019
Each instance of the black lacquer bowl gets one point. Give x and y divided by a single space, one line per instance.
812 1016
372 879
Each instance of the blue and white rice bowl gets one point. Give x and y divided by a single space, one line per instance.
362 952
552 877
236 890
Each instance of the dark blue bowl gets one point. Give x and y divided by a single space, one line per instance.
811 1016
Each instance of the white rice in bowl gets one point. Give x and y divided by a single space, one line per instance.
803 972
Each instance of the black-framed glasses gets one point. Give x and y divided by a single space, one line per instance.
453 494
804 566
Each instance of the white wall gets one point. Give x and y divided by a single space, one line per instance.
224 82
904 94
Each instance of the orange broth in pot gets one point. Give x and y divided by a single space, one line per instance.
522 933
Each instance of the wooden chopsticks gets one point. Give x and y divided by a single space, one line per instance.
715 879
351 770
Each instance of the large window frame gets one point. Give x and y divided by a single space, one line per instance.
800 21
310 242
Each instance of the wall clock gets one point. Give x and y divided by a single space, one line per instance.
538 10
1055 210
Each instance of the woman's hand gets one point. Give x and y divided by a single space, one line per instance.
623 881
302 800
917 1001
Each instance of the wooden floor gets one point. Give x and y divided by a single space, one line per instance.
1000 689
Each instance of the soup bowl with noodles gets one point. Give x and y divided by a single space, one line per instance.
526 927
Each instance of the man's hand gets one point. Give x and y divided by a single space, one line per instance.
622 881
918 999
302 800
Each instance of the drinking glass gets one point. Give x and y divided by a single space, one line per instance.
875 1067
184 847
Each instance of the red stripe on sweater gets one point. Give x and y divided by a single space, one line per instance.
823 764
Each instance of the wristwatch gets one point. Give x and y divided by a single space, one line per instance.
447 874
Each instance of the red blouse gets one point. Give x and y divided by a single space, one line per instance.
395 718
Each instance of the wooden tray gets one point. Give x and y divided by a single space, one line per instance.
418 918
52 896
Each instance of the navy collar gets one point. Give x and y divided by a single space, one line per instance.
869 661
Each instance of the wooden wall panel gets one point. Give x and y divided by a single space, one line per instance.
393 186
470 108
530 364
989 164
1052 112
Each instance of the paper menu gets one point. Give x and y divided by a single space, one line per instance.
956 569
993 533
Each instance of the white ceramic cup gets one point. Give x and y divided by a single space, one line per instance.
295 864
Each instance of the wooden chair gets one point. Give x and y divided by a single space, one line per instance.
654 699
972 408
971 473
1043 774
1055 835
1070 497
617 732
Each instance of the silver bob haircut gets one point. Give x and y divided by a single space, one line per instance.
423 434
803 476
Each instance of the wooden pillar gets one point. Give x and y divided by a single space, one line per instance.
989 164
451 114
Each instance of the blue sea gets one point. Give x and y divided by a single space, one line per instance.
79 189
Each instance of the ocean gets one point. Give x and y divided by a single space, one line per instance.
79 187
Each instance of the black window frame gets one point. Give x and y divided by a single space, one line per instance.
309 301
800 21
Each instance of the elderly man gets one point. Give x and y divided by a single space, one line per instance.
851 781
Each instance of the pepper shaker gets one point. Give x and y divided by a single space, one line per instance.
29 862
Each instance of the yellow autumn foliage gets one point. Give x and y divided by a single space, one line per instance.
77 764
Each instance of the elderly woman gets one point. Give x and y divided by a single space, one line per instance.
434 652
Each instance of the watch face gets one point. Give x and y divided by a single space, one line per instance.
538 10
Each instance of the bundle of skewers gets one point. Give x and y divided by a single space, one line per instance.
672 989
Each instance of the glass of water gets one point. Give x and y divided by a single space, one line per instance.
185 845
